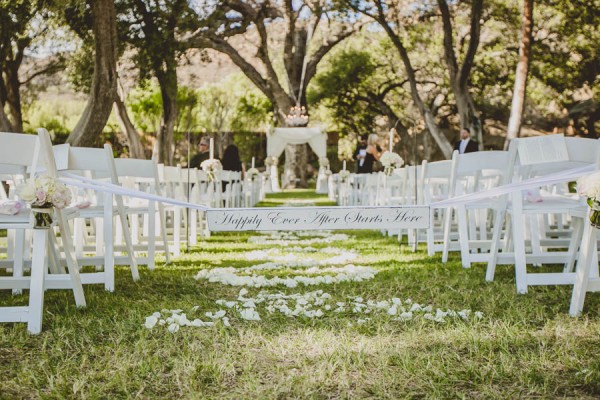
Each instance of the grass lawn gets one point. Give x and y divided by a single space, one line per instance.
522 346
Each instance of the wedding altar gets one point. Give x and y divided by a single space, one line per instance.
278 138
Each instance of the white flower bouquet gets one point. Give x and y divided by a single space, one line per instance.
44 193
271 161
344 175
211 166
589 186
252 174
390 161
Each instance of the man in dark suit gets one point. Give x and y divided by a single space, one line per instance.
466 144
203 153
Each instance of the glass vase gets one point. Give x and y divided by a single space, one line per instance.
43 218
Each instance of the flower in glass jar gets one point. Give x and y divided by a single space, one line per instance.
252 173
344 175
45 192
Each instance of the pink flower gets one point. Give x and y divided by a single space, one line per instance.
40 196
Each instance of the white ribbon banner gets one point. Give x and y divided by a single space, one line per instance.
326 218
317 218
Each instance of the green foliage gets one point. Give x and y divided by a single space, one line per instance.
58 117
341 88
233 104
146 108
80 68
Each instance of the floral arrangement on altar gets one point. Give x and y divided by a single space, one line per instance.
390 161
344 175
589 186
44 193
252 174
271 161
211 166
324 162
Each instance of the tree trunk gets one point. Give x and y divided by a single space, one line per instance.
13 95
136 150
459 74
104 81
5 125
430 123
296 160
519 91
168 90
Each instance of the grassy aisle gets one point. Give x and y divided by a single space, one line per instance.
521 346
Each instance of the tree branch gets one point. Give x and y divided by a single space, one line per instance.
467 64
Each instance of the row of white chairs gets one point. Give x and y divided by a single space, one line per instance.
102 229
543 226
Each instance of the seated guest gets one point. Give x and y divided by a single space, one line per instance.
231 161
372 154
202 154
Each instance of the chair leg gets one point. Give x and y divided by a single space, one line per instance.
495 247
447 223
39 265
18 254
65 230
109 259
151 238
519 243
463 236
588 246
576 237
193 227
162 219
128 239
176 231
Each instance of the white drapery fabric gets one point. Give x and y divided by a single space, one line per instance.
278 138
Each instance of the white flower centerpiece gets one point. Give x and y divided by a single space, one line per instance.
344 175
44 193
390 161
324 166
252 174
211 167
589 186
271 161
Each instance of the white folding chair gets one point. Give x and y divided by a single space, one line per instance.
433 186
173 187
18 154
532 240
587 279
97 164
147 219
470 173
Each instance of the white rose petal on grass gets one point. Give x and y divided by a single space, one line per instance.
250 314
217 315
173 328
478 314
406 316
201 324
226 321
393 310
151 321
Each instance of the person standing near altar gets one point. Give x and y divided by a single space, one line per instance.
360 153
371 153
231 162
466 144
203 153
